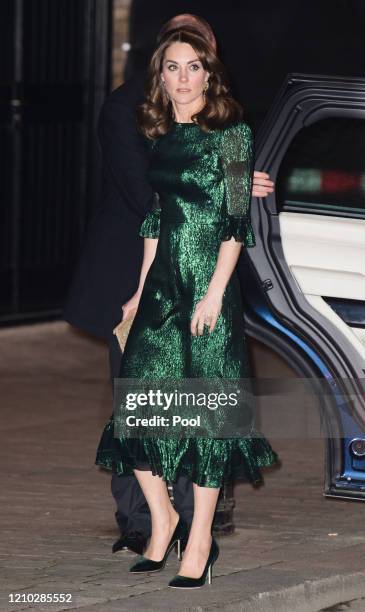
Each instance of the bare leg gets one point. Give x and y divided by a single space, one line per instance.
200 539
163 516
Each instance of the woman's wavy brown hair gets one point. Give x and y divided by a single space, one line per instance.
155 116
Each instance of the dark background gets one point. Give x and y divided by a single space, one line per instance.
54 76
261 42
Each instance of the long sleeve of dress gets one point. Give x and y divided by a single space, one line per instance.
237 158
150 227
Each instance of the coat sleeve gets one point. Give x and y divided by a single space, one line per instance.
125 154
150 227
237 158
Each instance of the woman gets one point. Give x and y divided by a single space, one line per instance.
189 320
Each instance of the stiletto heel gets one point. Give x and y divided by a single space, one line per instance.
179 549
186 582
148 565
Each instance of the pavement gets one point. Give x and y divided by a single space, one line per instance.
292 550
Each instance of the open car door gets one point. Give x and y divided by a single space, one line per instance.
305 278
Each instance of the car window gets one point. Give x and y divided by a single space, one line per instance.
323 169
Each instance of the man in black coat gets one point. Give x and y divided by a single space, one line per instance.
108 271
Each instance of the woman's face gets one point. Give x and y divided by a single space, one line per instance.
183 73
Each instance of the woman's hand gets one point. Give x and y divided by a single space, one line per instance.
130 307
262 185
206 312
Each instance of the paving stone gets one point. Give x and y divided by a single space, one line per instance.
57 512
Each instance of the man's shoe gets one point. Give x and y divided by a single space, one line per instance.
133 540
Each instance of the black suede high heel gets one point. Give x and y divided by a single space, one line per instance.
148 565
185 582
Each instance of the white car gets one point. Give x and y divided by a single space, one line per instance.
305 289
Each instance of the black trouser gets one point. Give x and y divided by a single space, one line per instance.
132 509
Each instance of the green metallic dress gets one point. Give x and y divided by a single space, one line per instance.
202 185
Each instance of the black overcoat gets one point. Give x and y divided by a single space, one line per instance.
107 272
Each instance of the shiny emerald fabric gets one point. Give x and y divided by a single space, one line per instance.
202 193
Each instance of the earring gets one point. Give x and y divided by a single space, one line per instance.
206 87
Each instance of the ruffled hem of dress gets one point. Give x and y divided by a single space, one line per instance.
245 458
240 228
150 226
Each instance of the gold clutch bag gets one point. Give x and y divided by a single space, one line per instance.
121 330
